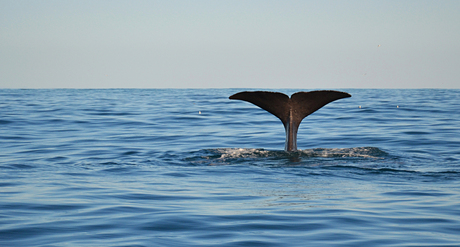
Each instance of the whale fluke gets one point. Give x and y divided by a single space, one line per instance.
292 110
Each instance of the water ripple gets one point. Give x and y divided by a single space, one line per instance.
192 168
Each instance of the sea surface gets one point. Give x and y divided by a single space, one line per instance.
189 167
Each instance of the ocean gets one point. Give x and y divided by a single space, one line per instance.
189 167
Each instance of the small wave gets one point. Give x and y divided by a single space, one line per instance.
232 153
360 152
238 155
229 155
5 121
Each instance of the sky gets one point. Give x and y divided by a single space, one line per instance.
229 44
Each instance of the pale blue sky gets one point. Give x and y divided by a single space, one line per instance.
230 44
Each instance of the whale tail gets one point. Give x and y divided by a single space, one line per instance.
291 111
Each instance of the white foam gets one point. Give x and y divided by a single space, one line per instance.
227 153
362 152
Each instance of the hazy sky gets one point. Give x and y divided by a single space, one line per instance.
218 43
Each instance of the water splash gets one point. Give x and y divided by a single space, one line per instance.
222 156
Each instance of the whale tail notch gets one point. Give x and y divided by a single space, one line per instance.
291 111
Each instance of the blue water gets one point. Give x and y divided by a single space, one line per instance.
134 167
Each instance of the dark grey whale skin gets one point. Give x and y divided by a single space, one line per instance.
291 111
